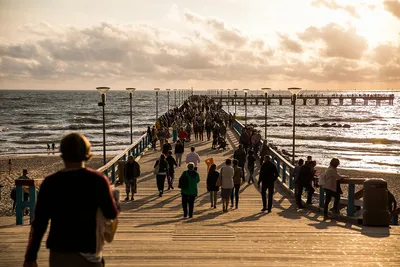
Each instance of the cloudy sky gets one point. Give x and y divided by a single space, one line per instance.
313 44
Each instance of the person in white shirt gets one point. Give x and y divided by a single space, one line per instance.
329 181
193 157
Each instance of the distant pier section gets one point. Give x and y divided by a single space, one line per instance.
308 99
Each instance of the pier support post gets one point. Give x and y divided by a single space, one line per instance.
280 101
329 101
304 101
353 101
317 101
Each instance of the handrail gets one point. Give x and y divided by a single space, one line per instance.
285 169
136 149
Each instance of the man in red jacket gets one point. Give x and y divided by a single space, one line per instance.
182 136
70 198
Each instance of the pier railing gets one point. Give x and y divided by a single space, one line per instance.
285 169
135 150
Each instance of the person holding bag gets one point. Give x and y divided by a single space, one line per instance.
74 239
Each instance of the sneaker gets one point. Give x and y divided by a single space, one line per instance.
215 207
127 199
160 195
172 187
132 198
264 209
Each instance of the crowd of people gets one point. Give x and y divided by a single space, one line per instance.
84 222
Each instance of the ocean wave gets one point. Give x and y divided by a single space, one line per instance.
370 119
35 134
383 141
384 164
78 119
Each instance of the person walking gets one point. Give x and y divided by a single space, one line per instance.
190 191
132 172
226 176
305 179
161 171
72 239
212 186
237 180
193 157
182 136
330 182
171 170
179 149
9 166
251 161
154 138
240 155
267 177
295 176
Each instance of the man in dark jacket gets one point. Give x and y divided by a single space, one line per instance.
240 155
268 176
305 178
132 172
244 139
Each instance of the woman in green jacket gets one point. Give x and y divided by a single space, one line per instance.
189 190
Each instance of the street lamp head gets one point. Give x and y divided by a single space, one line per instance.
130 90
266 90
168 89
103 90
156 89
235 89
294 90
246 90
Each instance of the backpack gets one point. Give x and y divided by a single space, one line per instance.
136 169
183 181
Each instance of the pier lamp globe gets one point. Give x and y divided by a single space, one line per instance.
131 91
157 90
266 90
294 91
245 106
103 91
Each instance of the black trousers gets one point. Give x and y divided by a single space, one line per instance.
328 198
160 182
241 165
236 189
270 195
188 201
310 192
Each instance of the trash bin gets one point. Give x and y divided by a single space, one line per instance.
376 211
209 162
121 171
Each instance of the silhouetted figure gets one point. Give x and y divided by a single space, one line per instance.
53 146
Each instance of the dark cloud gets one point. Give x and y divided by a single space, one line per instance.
339 42
393 6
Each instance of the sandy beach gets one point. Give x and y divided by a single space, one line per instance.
41 166
38 166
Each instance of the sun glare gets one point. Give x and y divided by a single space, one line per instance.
373 26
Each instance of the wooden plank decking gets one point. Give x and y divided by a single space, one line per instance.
152 231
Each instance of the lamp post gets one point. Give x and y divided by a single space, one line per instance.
228 98
157 90
168 98
245 106
235 98
175 97
103 91
131 91
220 96
266 90
294 91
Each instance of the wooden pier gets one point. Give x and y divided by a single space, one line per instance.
308 99
152 231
